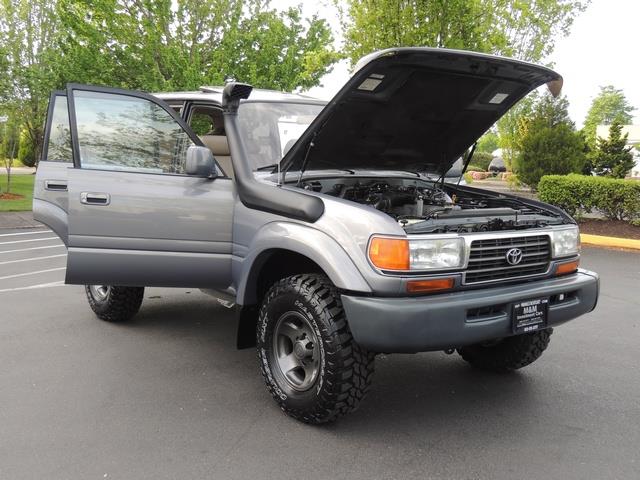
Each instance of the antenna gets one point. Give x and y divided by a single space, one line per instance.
280 181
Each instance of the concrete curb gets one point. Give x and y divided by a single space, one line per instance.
16 220
615 242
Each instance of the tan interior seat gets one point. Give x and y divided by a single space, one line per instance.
220 148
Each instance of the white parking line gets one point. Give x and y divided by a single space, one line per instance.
24 233
33 259
31 273
30 240
32 248
31 287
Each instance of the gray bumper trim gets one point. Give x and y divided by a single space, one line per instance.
437 322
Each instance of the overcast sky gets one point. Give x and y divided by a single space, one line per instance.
602 49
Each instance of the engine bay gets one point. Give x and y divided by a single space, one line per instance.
422 206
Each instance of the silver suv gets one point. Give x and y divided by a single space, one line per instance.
329 226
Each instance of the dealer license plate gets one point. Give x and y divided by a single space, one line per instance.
530 315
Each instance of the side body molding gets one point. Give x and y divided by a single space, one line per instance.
301 239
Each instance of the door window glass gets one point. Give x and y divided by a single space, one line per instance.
59 146
121 132
207 121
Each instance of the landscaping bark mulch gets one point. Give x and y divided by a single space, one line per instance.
609 228
10 196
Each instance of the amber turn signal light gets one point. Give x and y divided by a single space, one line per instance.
568 267
424 286
389 253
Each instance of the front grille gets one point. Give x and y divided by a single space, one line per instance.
488 258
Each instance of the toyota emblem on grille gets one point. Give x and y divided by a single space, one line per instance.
514 256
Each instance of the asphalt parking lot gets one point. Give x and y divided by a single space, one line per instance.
168 396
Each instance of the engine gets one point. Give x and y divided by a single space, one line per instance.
428 207
396 200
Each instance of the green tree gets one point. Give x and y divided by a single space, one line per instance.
608 106
547 142
522 29
9 129
151 45
178 45
28 37
488 142
509 132
26 153
612 157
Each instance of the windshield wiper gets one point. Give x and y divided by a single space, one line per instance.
271 167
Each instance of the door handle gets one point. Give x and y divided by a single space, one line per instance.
56 185
89 198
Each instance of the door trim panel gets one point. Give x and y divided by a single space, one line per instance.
168 269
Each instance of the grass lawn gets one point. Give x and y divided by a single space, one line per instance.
21 185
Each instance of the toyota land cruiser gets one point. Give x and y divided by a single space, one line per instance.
330 226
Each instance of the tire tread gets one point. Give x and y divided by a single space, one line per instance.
512 353
350 367
121 304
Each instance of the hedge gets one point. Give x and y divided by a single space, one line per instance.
482 160
576 194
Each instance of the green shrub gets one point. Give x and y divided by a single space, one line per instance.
475 168
467 177
512 180
577 194
16 163
482 160
549 150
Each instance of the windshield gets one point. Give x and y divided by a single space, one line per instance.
269 129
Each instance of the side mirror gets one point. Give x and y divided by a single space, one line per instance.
200 162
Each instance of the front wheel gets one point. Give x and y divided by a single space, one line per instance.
114 304
509 353
310 362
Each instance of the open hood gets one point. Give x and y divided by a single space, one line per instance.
416 109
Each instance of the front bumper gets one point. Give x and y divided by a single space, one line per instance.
438 322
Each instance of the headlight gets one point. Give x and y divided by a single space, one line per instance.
437 253
565 242
416 254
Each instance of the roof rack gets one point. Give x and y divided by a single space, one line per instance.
206 89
